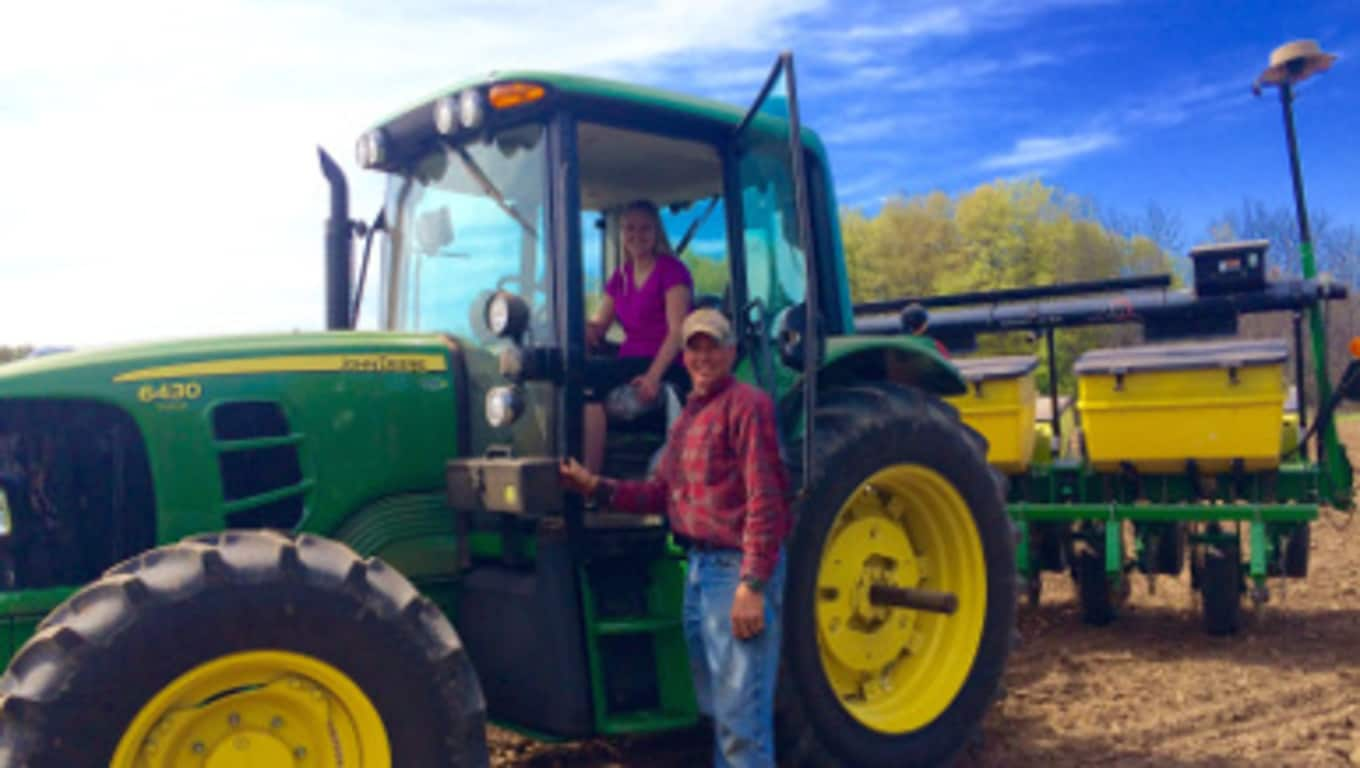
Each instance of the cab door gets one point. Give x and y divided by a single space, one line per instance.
775 239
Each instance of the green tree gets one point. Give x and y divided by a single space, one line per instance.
999 235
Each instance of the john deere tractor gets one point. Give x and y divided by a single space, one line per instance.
351 548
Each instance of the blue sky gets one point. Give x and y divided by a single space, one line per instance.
162 178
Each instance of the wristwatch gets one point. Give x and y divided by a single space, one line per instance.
754 584
603 493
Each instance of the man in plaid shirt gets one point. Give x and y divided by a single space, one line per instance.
725 490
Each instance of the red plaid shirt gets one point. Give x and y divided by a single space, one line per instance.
720 478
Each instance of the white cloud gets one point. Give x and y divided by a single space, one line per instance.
1040 150
863 190
969 72
162 177
934 22
856 131
1176 102
952 18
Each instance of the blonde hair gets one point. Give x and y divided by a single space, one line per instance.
653 214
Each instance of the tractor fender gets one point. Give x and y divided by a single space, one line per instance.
907 360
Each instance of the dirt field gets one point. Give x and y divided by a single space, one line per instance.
1150 690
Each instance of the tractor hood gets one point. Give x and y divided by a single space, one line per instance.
110 370
283 431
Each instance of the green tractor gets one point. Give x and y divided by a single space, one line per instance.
351 548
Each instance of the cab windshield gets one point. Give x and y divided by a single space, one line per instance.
469 220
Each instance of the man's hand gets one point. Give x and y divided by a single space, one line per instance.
748 613
577 478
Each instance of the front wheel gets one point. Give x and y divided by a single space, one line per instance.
902 500
244 648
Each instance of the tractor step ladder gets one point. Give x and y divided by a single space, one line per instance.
632 604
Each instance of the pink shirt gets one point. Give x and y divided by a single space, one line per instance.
641 309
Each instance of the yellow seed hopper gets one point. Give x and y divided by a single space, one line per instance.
1000 405
1158 407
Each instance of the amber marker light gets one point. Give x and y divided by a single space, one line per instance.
1355 347
507 95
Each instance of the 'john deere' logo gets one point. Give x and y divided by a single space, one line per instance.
249 366
383 364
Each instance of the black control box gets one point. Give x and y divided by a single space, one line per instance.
1230 267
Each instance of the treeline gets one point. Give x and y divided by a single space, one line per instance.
999 235
14 353
1016 234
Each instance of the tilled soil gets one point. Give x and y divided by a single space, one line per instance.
1151 689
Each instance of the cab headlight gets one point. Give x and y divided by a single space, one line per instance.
503 406
371 149
446 115
461 111
471 109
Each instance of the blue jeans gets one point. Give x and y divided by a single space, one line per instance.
734 680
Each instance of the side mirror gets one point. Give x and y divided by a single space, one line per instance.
506 315
6 517
790 335
434 230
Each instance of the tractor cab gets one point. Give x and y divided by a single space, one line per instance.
501 225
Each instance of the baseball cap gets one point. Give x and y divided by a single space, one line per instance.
710 322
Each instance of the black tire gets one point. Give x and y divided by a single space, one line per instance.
860 430
1296 552
1034 590
73 689
1094 591
1050 543
1168 554
1221 589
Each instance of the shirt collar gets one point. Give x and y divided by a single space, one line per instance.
721 386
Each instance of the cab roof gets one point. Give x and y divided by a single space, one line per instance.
580 89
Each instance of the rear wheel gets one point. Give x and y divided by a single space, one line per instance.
244 648
903 497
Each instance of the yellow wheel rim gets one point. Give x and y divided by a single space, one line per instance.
257 709
894 669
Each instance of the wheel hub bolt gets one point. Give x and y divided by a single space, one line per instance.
198 748
300 752
234 720
277 722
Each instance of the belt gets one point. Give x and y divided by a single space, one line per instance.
698 545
